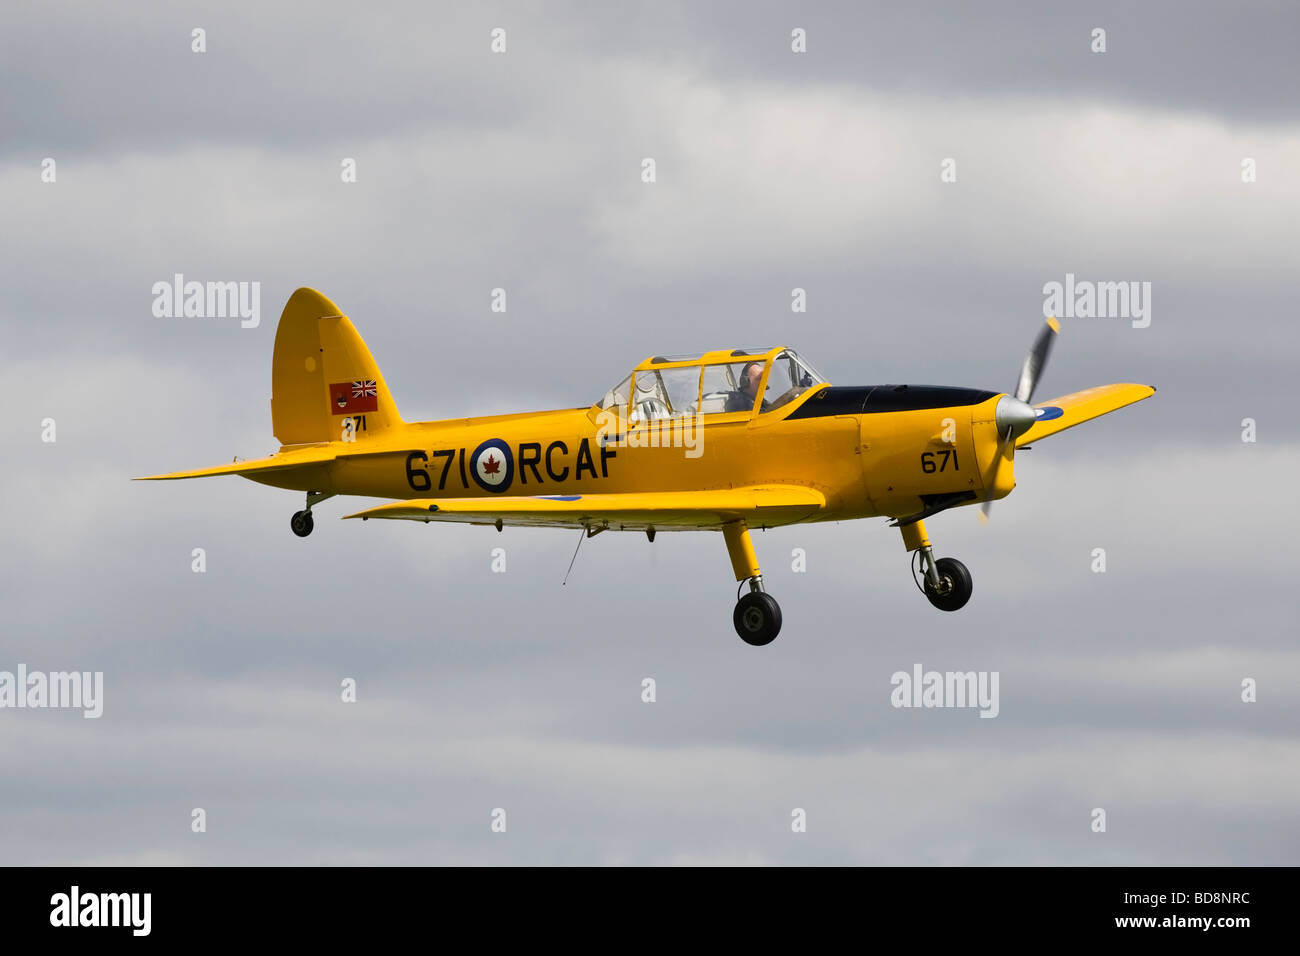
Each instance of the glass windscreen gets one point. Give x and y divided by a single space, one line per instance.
791 376
617 395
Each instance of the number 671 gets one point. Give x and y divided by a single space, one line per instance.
929 466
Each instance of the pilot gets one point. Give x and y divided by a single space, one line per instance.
743 400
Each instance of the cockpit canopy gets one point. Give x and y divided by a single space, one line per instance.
715 383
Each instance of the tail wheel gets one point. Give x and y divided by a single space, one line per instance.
757 618
955 585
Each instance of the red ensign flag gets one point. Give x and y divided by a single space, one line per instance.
351 398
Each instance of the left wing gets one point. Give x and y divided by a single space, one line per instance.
759 505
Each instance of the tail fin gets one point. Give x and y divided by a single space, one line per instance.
323 376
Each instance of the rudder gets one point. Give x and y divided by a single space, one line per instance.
322 374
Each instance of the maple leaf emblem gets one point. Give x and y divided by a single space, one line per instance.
491 466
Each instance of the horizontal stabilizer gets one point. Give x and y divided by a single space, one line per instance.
301 456
272 463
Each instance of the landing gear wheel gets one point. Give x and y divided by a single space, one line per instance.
757 618
301 523
955 585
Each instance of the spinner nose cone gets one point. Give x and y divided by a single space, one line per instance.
1014 414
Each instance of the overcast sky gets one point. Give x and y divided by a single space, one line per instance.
479 690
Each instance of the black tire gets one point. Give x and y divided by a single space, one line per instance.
957 585
301 523
757 618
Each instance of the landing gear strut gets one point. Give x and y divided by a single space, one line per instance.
301 523
757 616
946 583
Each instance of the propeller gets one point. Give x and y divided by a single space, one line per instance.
1014 414
1036 360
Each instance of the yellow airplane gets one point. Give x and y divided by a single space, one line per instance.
683 443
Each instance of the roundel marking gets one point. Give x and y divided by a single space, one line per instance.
1047 413
492 465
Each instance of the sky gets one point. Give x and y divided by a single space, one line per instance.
480 691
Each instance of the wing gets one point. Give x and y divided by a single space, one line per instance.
760 505
1070 410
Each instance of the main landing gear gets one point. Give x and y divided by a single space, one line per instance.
946 583
301 523
757 616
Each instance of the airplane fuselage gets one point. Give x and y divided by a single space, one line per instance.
874 450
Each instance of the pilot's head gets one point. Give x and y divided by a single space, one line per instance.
750 376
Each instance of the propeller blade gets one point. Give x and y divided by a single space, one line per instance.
1036 360
987 506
